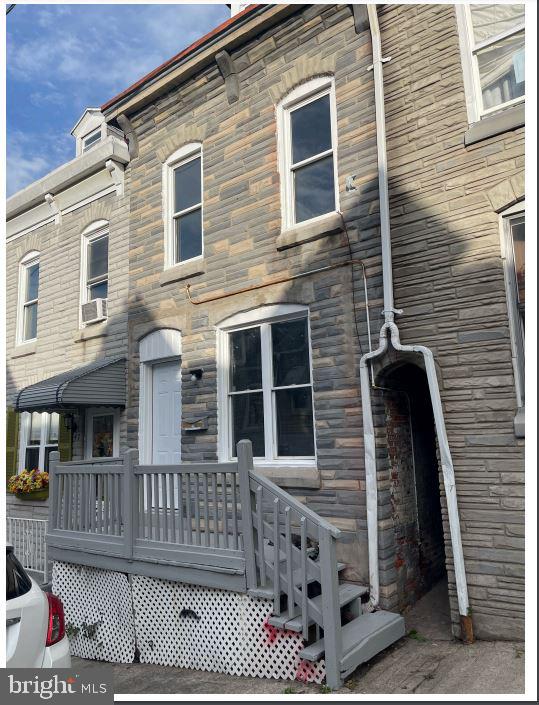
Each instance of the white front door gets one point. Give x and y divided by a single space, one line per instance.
166 413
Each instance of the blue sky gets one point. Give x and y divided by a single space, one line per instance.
64 58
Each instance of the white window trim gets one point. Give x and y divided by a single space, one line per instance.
99 131
29 259
298 97
25 422
159 346
519 209
101 411
181 156
470 69
93 232
263 317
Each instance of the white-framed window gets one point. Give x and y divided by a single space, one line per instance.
28 298
265 386
95 262
183 205
307 136
102 437
91 139
39 437
513 252
492 50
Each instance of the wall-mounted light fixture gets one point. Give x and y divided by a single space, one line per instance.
196 374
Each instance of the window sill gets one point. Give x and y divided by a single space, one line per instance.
183 270
291 475
95 330
24 349
310 231
519 422
504 121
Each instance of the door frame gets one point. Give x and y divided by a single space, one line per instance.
162 345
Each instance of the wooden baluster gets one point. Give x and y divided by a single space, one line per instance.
119 513
276 559
149 504
69 499
304 602
180 507
289 565
206 511
54 491
92 479
189 526
234 488
164 500
172 500
260 535
196 480
157 504
99 507
215 511
225 509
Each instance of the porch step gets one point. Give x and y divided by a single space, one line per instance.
362 639
267 592
347 593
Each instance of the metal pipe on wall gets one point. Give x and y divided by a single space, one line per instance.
389 333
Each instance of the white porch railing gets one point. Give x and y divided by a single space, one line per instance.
28 539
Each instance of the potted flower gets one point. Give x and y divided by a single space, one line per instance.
30 484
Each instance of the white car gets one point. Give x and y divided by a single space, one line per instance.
35 626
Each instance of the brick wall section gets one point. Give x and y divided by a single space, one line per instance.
403 499
242 219
449 280
59 300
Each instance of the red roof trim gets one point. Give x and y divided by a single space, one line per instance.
195 45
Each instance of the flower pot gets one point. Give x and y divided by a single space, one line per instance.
35 495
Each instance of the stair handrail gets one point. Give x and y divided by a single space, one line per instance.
295 504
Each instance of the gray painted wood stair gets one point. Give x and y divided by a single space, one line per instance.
348 593
220 525
362 639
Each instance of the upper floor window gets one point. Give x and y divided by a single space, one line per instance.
95 272
514 246
182 179
91 139
493 56
266 386
28 298
39 437
307 147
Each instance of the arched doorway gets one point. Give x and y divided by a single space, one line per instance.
415 485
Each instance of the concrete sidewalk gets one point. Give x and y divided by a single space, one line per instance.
428 660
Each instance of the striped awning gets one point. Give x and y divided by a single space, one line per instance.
101 383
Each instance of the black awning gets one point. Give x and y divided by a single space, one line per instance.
101 383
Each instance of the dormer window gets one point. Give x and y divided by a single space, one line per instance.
91 140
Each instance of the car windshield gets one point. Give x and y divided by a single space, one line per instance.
17 580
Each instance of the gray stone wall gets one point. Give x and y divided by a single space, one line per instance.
242 223
449 279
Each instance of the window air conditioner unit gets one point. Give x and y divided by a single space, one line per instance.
94 311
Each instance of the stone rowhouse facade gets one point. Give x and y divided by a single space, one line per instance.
448 273
61 345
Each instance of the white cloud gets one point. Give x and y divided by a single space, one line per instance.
64 58
30 156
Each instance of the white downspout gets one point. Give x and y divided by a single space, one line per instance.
390 333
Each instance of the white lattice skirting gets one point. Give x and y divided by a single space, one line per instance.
176 624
